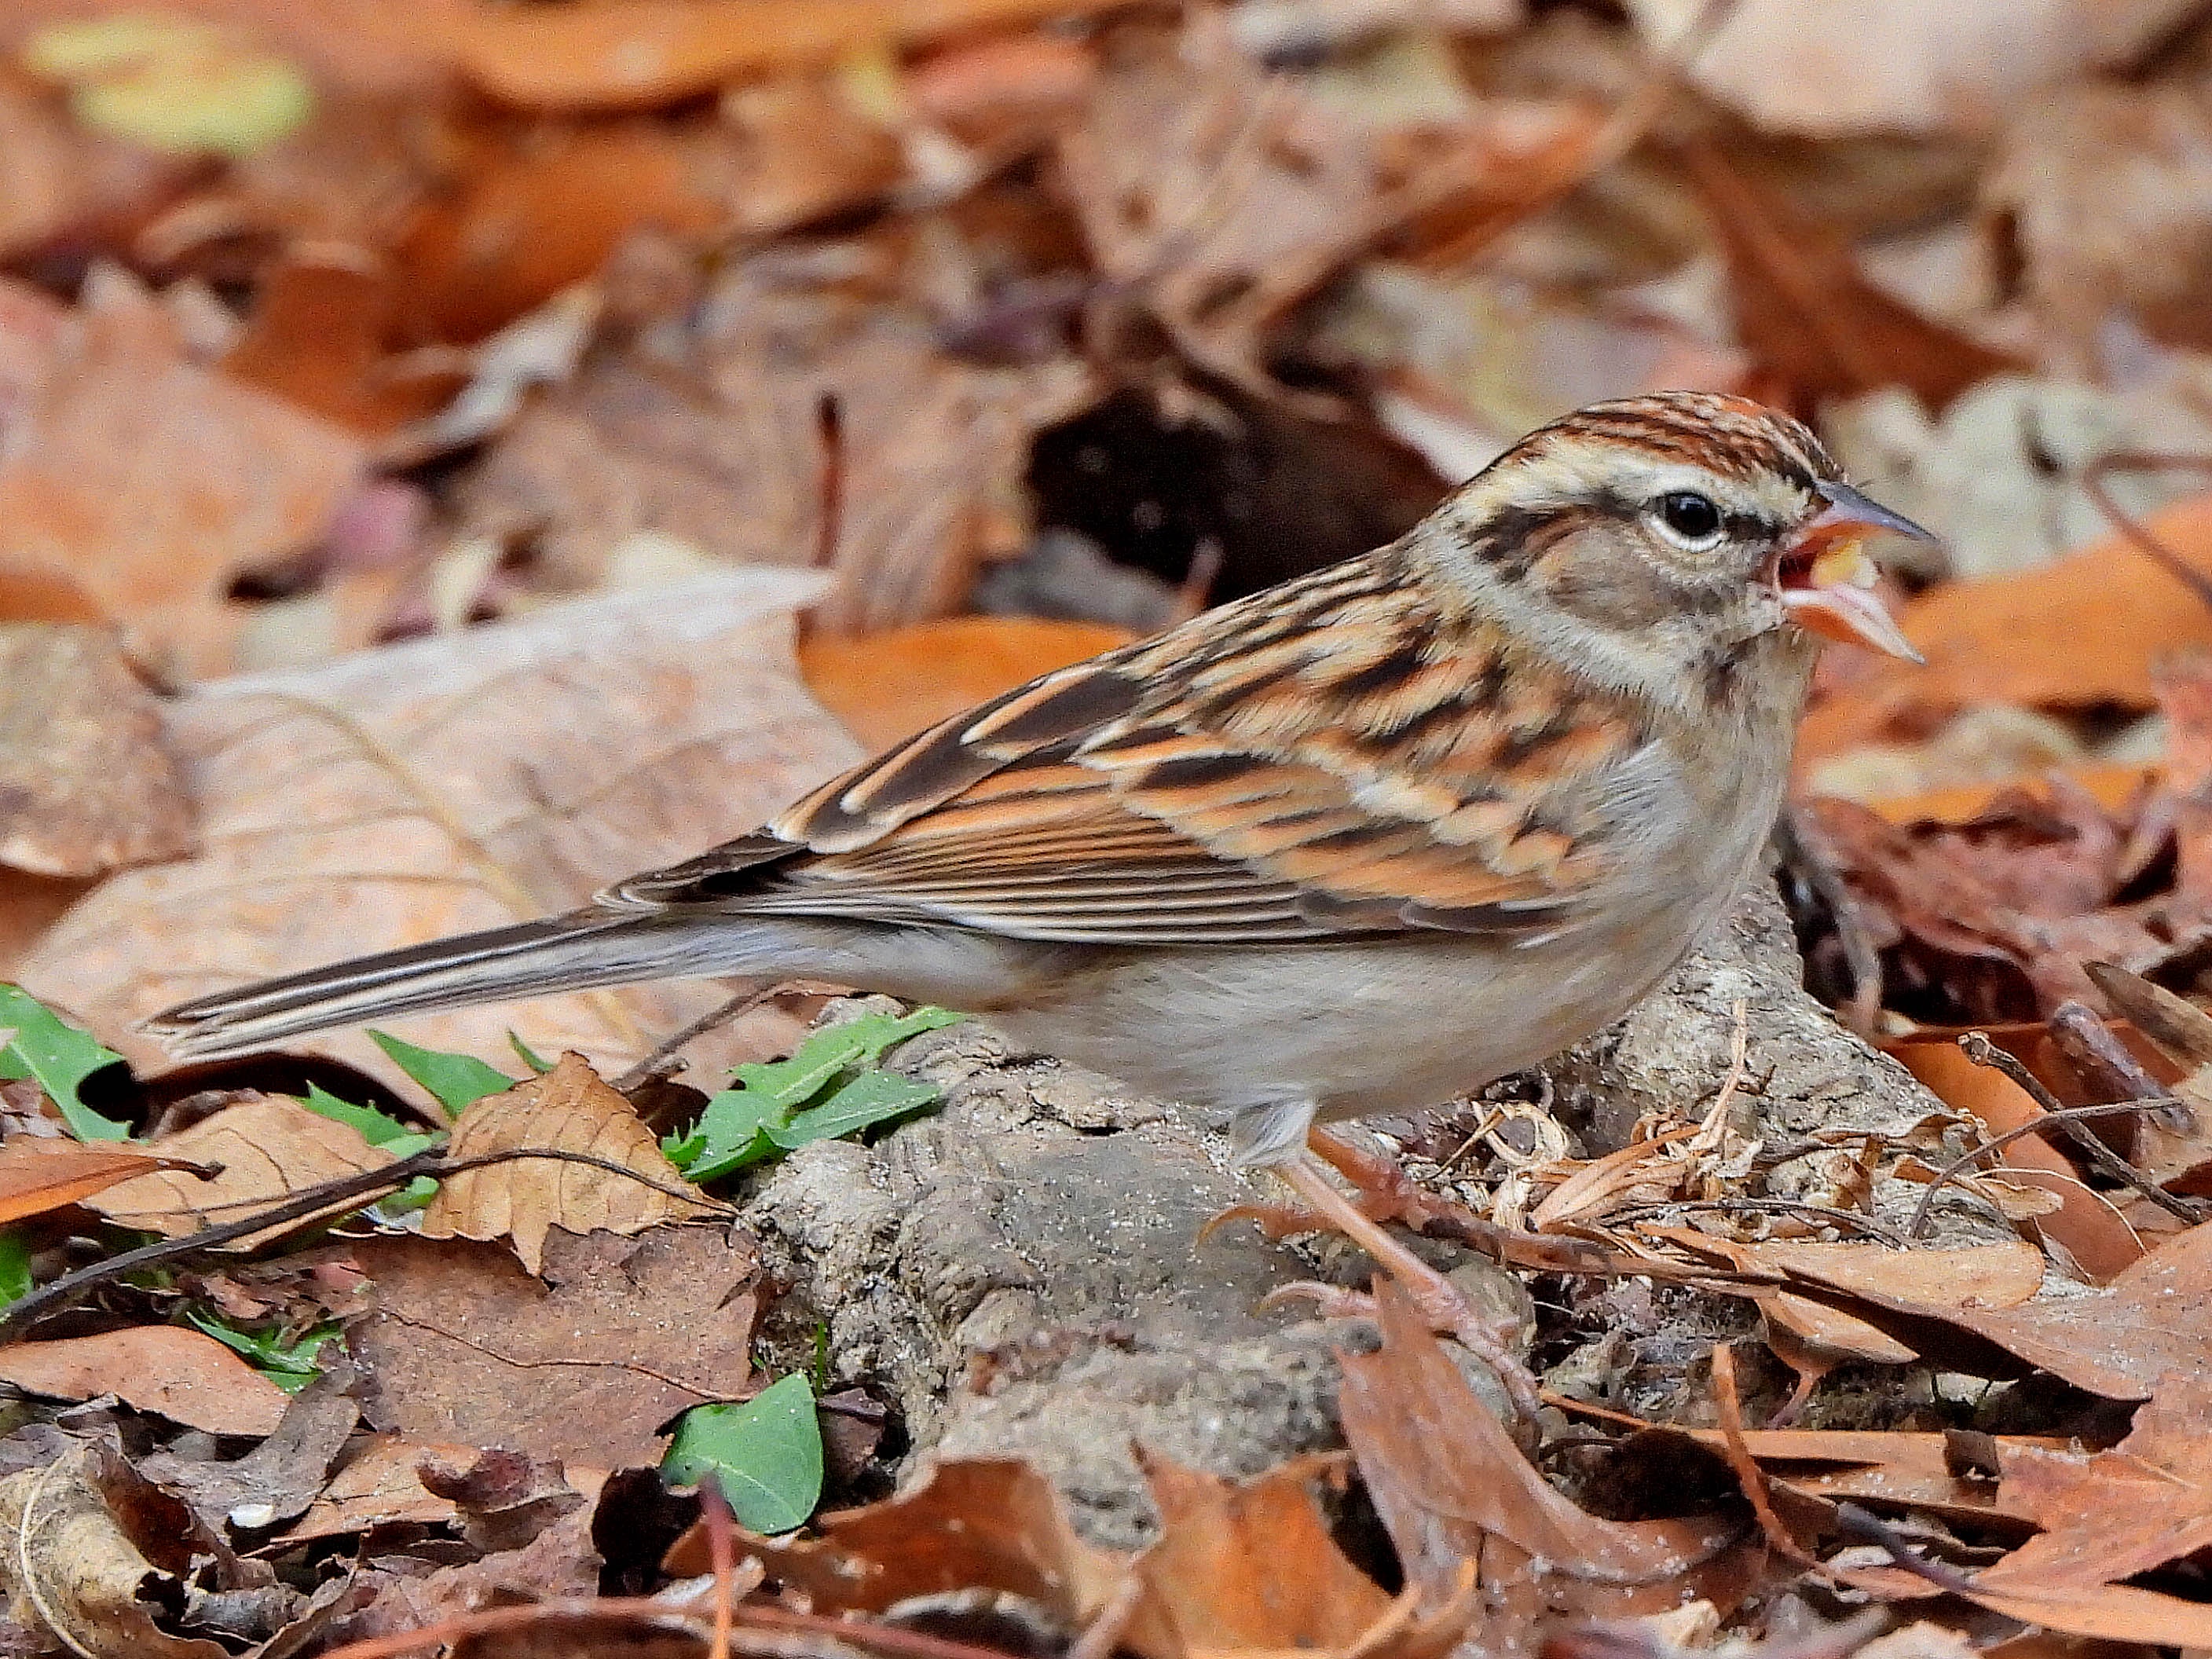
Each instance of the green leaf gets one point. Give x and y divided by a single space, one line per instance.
870 1098
457 1081
827 1088
60 1057
14 1267
764 1455
376 1127
290 1365
526 1053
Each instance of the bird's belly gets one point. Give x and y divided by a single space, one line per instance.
1388 1025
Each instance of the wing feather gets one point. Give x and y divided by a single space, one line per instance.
1338 759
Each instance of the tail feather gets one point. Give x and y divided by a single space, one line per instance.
582 951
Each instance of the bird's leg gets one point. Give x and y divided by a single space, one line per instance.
1439 1300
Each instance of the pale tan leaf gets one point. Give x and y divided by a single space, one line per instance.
1839 68
407 794
86 782
37 1175
268 1148
186 1376
568 1110
74 1562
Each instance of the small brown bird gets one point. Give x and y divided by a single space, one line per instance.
1358 843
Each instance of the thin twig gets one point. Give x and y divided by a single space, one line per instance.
1847 1218
1983 1052
1917 1227
743 1003
2093 485
1736 1450
1864 1526
325 1200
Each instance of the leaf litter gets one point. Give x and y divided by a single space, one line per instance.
695 290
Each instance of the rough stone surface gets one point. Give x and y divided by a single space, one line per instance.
1020 1273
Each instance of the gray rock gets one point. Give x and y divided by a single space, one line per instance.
1021 1273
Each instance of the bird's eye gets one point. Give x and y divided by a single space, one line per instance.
1688 519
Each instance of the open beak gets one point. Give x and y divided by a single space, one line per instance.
1828 578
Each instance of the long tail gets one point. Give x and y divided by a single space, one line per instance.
581 950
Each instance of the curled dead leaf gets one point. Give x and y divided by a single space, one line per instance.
92 1551
1451 1486
568 1110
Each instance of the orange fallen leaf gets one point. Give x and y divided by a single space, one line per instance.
2111 785
320 337
635 53
38 1173
2089 1230
186 1376
2080 633
567 1109
890 685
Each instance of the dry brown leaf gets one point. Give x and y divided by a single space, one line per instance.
2081 634
267 1149
87 783
95 1551
657 51
1247 1568
890 685
1998 914
1810 318
568 1110
379 1484
1840 69
914 477
319 336
2108 1517
1451 1486
37 1175
1222 195
186 1376
425 789
145 483
279 1478
62 179
2119 1340
467 1348
962 1525
2097 198
1252 1567
1890 1467
538 210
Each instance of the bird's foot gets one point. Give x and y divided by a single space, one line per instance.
1440 1301
1386 1192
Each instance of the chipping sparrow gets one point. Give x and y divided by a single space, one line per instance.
1358 843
